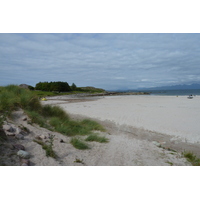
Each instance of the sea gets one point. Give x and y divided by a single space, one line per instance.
194 92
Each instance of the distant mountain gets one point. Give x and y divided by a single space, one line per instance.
175 87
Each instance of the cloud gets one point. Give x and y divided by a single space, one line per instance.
110 61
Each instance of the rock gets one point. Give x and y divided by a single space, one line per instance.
18 130
19 146
19 137
2 134
10 146
23 154
8 128
10 133
24 118
156 143
24 162
43 137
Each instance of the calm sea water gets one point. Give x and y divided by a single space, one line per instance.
175 92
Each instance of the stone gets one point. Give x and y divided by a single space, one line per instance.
156 143
18 146
10 146
24 118
43 137
8 128
24 161
18 130
2 134
24 164
23 154
10 133
19 136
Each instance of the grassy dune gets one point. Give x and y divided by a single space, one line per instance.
54 118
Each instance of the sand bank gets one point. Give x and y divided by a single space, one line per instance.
175 116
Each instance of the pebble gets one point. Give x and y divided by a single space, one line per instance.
23 154
61 141
18 146
156 143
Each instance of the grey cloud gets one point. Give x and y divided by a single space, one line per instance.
103 60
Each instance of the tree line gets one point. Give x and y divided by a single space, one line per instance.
55 86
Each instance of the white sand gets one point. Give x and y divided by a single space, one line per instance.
175 116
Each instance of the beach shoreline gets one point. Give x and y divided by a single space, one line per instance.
171 115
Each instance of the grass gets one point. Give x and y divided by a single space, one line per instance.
192 158
13 97
96 138
48 147
79 144
71 128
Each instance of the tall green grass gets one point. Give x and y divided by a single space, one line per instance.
192 158
79 144
13 97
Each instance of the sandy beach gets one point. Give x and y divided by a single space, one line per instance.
175 116
142 131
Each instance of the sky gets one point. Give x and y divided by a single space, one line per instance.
112 61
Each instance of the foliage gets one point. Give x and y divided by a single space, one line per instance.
73 87
53 86
192 158
13 97
79 144
48 147
96 138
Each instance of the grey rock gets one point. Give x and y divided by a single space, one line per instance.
24 162
18 130
10 133
23 154
24 118
8 128
43 137
156 143
18 146
19 137
10 146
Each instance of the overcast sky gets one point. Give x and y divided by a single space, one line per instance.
109 61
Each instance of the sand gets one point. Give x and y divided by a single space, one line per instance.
175 116
142 131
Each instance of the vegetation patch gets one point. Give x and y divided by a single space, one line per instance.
13 97
96 138
79 144
192 158
48 147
